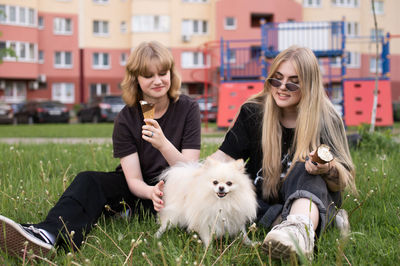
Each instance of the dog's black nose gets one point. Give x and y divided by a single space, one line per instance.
221 188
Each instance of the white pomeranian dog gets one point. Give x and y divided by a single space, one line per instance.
210 198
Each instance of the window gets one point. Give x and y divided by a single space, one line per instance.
40 22
372 65
31 16
345 3
63 92
22 51
351 29
100 27
15 92
25 52
41 57
257 18
194 27
122 27
312 3
148 23
22 16
380 35
62 26
63 59
99 89
379 9
122 59
101 61
32 51
3 17
353 60
230 23
101 1
17 15
13 14
192 60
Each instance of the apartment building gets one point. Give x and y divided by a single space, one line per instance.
359 27
73 50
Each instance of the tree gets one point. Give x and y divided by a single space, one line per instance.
4 51
375 103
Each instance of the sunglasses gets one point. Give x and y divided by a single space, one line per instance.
289 85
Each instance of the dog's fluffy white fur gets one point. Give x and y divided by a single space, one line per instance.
210 198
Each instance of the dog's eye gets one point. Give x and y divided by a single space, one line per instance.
215 182
229 183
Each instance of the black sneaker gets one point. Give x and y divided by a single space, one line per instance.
17 240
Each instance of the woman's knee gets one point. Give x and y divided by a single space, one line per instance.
300 179
84 177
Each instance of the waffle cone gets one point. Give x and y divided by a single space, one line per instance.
147 109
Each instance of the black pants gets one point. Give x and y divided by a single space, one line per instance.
300 184
84 201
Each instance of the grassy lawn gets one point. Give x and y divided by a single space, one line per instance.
101 130
32 178
104 130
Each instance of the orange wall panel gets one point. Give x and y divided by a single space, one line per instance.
358 101
231 96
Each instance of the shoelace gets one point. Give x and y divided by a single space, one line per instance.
40 233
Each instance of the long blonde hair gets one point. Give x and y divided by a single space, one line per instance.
317 121
139 62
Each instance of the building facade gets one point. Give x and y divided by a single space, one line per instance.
360 34
72 50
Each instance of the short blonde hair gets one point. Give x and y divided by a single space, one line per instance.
139 62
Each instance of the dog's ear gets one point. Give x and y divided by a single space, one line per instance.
210 162
239 164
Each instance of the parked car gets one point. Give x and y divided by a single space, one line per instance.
101 109
42 111
212 108
6 113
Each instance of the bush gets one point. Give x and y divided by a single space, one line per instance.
396 111
377 141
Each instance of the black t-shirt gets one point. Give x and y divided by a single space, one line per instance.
243 141
180 124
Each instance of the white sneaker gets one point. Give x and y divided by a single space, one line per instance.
16 239
294 235
342 222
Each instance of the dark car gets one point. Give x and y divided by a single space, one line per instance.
6 113
212 108
101 109
42 111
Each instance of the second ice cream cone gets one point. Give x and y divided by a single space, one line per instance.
322 154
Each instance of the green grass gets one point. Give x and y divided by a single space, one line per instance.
101 130
32 178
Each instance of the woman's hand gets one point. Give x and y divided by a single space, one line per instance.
315 168
154 134
156 195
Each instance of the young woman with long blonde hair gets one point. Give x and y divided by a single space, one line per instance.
277 131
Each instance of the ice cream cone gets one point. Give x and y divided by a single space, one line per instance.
322 155
147 110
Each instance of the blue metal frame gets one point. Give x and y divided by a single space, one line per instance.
269 45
